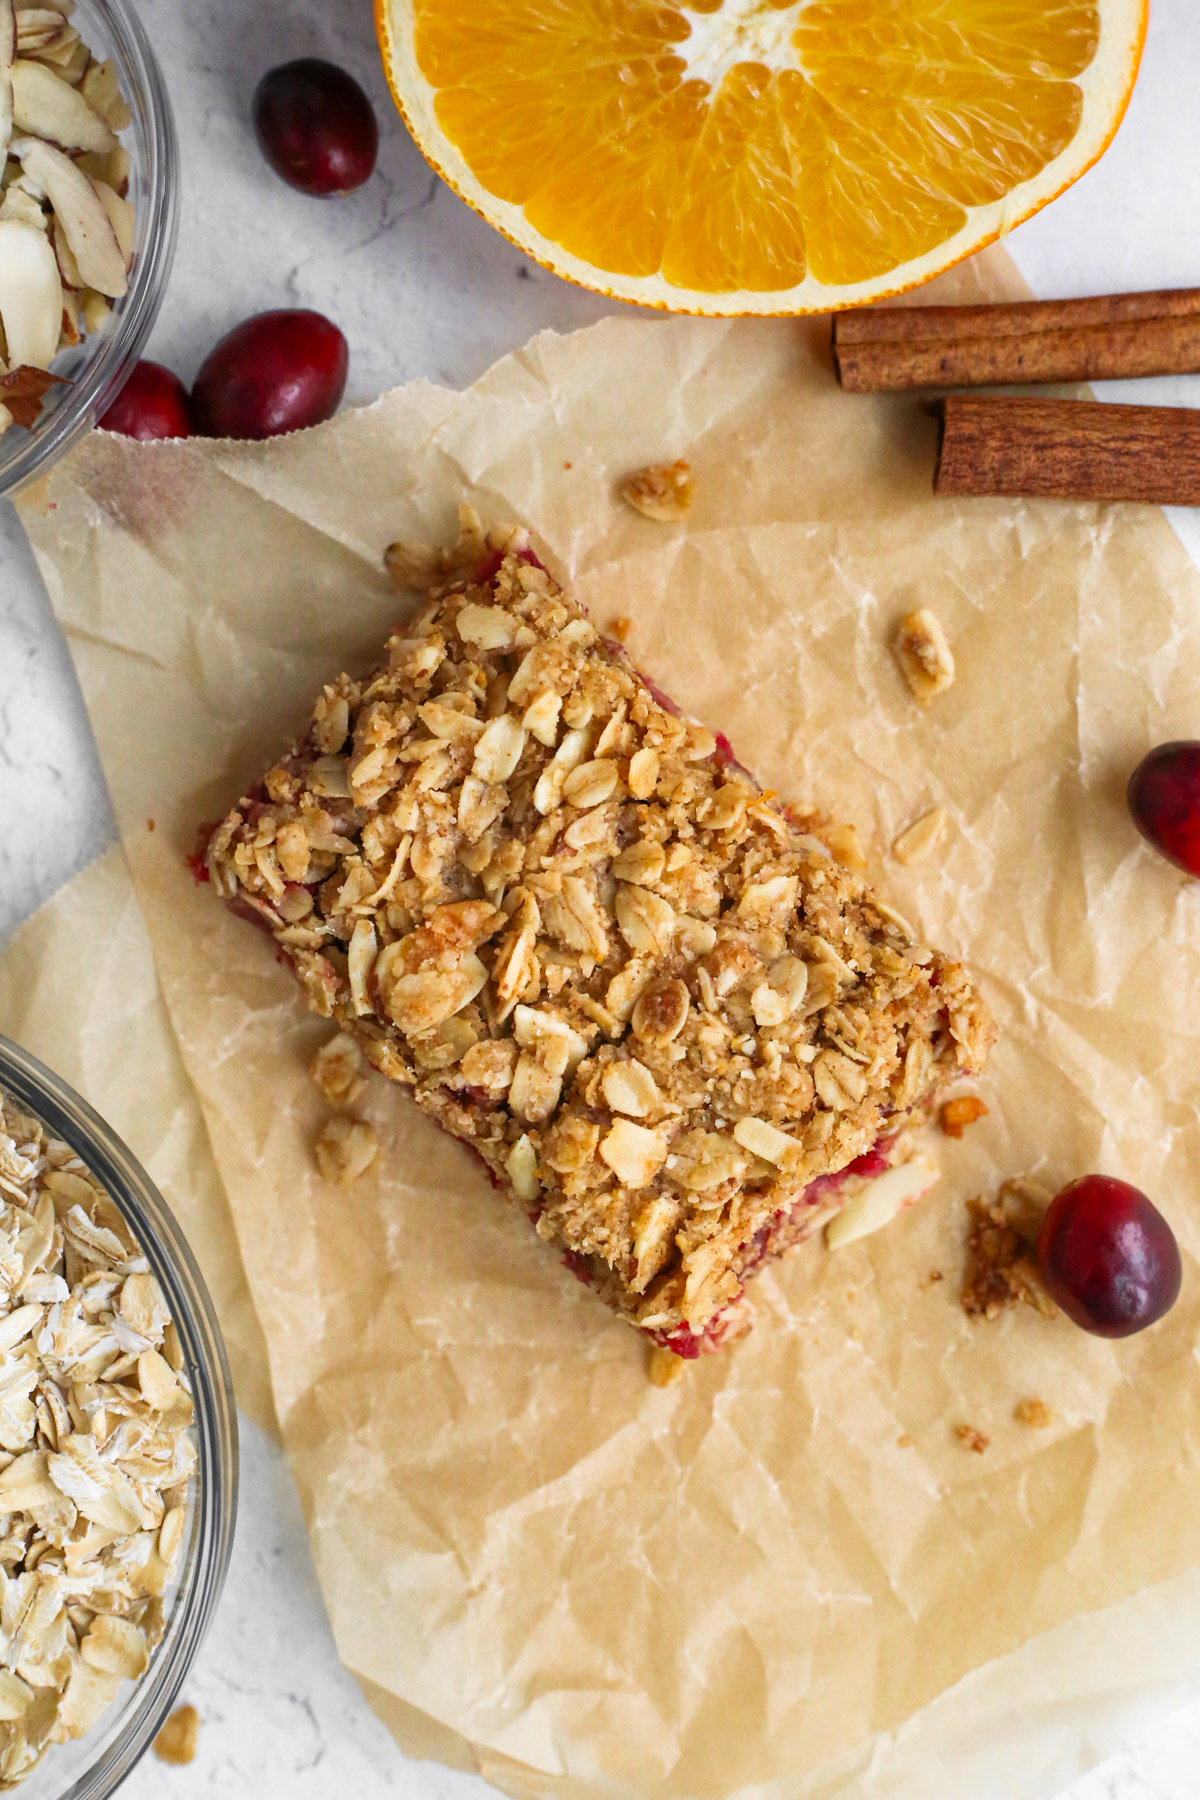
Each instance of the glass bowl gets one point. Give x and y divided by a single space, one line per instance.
100 366
92 1766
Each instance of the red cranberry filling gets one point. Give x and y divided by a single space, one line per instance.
687 1343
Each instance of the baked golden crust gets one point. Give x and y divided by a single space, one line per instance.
565 918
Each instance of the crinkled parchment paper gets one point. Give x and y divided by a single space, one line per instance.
753 1581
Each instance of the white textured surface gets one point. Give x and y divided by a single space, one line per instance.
422 287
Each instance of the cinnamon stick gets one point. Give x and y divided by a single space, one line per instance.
1101 339
1068 450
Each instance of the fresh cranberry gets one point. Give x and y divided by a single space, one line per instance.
153 404
1108 1257
316 127
277 372
1164 802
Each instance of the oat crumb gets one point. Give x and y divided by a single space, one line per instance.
921 837
972 1438
934 1276
1034 1413
176 1742
345 1150
904 1442
1001 1272
338 1070
664 493
149 824
665 1368
926 659
958 1114
621 628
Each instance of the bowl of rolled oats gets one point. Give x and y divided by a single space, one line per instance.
89 177
118 1447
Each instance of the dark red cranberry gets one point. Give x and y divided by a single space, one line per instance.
1108 1257
316 127
277 372
1164 802
153 404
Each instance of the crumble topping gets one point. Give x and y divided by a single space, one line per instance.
345 1150
1034 1413
564 917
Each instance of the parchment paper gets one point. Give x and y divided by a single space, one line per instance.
754 1581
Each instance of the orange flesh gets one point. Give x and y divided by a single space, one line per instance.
854 148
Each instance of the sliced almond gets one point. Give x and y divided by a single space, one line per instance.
101 89
37 26
23 200
120 217
68 268
51 109
634 1154
77 205
94 310
522 1169
8 50
30 295
880 1201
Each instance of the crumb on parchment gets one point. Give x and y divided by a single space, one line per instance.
971 1438
620 628
664 493
925 657
665 1368
339 1070
958 1114
176 1742
1000 1271
1034 1413
921 837
345 1150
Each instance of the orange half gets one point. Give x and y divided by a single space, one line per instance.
759 156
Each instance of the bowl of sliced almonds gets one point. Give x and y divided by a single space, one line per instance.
118 1447
88 214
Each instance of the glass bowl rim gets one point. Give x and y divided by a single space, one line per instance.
175 1267
105 373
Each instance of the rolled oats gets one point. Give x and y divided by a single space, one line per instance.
925 658
345 1150
921 838
95 1423
670 1022
339 1067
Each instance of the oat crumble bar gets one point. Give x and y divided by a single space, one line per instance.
675 1029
